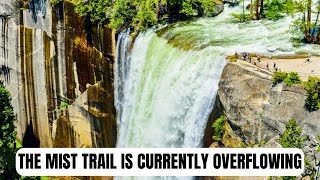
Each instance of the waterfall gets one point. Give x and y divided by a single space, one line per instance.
167 83
168 93
121 69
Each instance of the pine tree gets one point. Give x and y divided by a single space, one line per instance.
7 135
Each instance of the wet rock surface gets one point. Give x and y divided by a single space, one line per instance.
49 64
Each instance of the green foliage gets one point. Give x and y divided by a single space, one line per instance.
30 178
279 77
289 79
121 13
312 85
308 167
275 9
297 29
242 17
318 145
218 127
55 1
288 178
7 135
292 79
139 14
94 9
208 7
292 136
197 7
147 16
18 145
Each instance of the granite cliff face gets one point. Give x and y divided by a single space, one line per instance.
59 71
257 111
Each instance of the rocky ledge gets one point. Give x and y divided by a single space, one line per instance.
257 111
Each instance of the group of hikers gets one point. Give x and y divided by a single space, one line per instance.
247 57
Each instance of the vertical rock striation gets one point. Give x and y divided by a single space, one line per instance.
60 80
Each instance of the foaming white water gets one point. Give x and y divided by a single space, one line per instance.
168 95
121 69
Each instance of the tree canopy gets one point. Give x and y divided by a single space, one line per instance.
7 135
141 14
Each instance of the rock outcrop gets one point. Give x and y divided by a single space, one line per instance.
59 72
257 111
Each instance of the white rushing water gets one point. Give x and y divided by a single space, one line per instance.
167 84
167 95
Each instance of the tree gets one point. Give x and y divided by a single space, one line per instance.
292 136
261 7
307 33
313 89
275 9
140 14
7 135
95 10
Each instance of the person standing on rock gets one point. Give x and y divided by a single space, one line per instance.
244 56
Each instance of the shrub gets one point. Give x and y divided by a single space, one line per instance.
312 85
292 138
292 79
240 17
279 77
218 127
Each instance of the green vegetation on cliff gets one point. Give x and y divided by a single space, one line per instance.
218 127
312 85
279 77
141 14
293 78
289 79
7 135
292 136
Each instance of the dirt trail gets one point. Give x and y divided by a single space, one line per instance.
300 65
